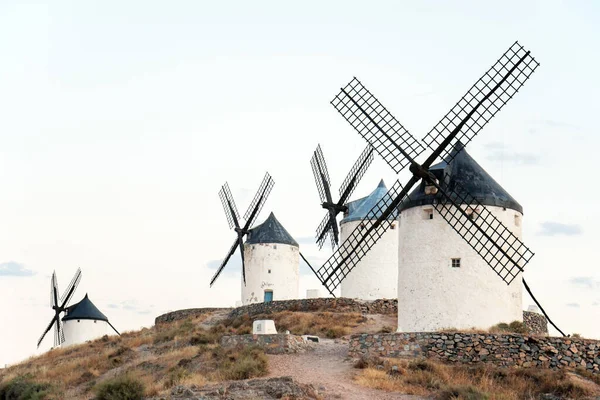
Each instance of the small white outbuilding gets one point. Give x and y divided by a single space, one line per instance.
376 275
442 281
272 260
83 321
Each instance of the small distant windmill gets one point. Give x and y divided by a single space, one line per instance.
329 227
233 218
495 243
59 305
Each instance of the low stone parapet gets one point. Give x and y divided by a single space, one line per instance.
280 343
185 314
380 306
473 348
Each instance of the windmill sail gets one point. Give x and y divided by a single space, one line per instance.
483 100
376 125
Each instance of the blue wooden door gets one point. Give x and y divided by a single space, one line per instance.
268 296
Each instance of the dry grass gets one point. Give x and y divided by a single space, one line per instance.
324 324
425 377
181 352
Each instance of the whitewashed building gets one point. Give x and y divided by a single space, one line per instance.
83 321
442 281
376 275
272 260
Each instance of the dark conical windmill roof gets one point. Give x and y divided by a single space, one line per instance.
465 171
85 309
358 209
270 231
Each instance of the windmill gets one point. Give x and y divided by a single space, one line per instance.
496 244
59 305
233 218
328 226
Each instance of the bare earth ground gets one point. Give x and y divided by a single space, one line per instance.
327 369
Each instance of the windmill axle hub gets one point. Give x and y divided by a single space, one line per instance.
334 207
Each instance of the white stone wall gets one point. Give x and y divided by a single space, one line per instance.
282 261
376 275
79 331
432 294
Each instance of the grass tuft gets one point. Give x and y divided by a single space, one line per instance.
123 387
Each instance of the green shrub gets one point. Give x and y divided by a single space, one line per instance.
245 363
175 377
120 388
386 329
462 393
21 388
517 327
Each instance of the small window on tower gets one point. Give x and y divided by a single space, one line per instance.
517 220
269 271
78 320
274 246
456 263
94 321
428 213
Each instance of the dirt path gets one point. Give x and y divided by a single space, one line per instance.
328 371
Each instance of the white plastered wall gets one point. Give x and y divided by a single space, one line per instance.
376 275
79 331
432 294
282 261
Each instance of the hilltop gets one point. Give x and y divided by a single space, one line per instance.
182 357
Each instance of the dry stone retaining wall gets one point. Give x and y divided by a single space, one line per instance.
184 314
471 348
272 344
535 323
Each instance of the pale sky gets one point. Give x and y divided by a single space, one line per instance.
119 122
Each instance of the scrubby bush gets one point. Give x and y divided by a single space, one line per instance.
513 327
121 388
462 392
244 363
175 377
21 388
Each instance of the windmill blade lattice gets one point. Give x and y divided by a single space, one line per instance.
259 200
321 175
376 125
356 173
493 241
54 291
66 297
231 212
361 239
325 230
483 100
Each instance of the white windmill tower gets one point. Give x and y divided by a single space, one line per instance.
376 275
82 321
272 259
442 281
